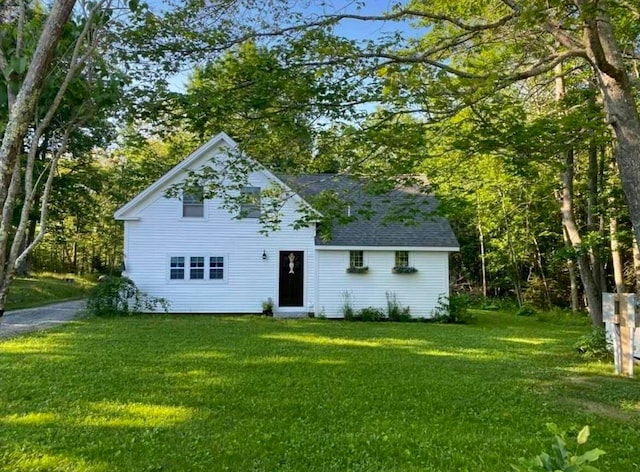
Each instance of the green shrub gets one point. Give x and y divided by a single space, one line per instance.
395 312
267 307
526 310
594 345
562 459
347 306
371 314
452 309
119 296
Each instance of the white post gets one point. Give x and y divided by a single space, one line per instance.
612 323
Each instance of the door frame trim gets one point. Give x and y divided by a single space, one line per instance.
290 309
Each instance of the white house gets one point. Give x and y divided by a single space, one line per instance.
205 259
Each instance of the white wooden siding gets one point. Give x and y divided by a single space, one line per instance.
162 232
419 291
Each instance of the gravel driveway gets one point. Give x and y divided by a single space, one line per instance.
30 319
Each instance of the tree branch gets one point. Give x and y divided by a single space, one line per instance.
21 112
16 256
421 14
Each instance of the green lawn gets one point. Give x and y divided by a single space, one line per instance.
205 394
42 289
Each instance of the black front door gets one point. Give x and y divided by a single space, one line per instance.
291 278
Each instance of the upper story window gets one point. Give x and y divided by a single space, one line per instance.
193 204
356 259
402 259
250 203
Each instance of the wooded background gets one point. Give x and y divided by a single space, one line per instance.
522 115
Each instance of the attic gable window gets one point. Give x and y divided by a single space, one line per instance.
193 204
250 202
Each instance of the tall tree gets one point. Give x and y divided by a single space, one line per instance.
43 123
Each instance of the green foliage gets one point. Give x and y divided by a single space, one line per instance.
594 345
119 296
370 314
526 310
453 309
564 317
404 270
267 307
45 288
260 102
489 305
562 458
395 311
357 270
348 312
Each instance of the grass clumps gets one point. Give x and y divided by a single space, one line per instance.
45 288
594 345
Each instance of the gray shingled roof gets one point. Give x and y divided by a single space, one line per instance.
404 218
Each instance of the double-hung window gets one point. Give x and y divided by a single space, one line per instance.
177 268
356 259
195 268
216 268
250 202
402 259
196 271
193 203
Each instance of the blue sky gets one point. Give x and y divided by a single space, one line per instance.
352 29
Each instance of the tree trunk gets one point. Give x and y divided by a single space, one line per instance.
19 117
573 280
592 217
594 297
22 110
636 265
483 261
547 292
619 103
615 256
517 282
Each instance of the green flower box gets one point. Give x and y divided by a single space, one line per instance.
357 270
404 270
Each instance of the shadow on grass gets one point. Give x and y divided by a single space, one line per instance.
176 393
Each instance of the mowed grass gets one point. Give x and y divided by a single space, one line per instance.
42 289
199 393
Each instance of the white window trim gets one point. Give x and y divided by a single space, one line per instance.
364 257
184 269
187 268
205 211
254 191
225 268
408 258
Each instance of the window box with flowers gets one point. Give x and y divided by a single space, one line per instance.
356 263
404 270
402 264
